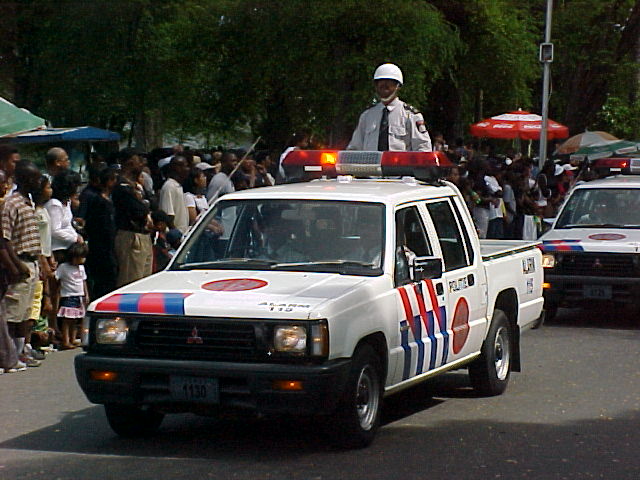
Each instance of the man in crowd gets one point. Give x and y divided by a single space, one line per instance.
9 156
56 160
21 241
390 124
172 194
221 182
132 242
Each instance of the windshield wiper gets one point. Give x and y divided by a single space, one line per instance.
591 225
329 263
228 262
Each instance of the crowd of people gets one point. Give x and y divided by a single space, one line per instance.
64 244
508 195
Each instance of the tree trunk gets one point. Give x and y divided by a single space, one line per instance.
148 130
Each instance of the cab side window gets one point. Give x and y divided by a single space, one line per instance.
411 241
451 241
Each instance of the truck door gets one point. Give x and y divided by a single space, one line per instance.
419 309
463 294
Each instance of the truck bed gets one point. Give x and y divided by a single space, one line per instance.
492 249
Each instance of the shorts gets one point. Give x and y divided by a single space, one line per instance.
71 307
18 301
37 302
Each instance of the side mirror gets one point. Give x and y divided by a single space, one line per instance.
425 268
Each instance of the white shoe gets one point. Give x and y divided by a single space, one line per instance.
18 367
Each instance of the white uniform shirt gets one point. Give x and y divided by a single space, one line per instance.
407 131
172 202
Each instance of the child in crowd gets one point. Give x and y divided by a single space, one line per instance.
161 225
41 300
73 293
174 239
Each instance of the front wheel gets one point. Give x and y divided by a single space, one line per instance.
131 421
490 372
359 409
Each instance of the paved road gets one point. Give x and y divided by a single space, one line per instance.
574 413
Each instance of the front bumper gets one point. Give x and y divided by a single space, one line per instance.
146 381
569 290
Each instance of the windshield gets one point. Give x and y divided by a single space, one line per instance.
601 207
302 235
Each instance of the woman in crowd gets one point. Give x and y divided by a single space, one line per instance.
195 188
63 234
100 229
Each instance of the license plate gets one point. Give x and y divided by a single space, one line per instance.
602 292
194 389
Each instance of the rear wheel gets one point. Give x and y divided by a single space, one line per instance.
490 372
131 420
359 409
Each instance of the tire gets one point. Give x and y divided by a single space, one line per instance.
359 409
131 421
490 372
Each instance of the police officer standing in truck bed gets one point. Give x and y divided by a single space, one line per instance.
390 124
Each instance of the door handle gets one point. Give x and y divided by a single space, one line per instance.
471 280
439 289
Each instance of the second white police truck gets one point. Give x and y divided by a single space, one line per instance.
592 251
316 298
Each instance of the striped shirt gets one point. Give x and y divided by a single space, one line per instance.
19 226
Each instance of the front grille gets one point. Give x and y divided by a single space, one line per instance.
598 264
197 339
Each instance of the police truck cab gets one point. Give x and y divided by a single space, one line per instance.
317 298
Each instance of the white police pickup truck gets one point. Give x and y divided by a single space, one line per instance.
315 298
592 252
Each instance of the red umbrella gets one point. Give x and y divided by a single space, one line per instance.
518 124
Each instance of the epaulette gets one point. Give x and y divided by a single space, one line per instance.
411 108
370 106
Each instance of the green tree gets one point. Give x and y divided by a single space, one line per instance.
596 60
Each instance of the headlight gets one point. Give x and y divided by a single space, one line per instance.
548 260
112 331
290 339
84 334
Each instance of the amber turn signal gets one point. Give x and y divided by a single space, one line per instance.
290 385
102 375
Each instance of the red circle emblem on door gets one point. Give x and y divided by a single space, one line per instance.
460 325
234 285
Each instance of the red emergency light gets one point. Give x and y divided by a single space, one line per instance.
626 165
308 164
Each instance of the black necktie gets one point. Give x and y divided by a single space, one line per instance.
383 135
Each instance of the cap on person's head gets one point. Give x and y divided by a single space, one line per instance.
558 170
174 236
203 166
567 167
388 71
163 162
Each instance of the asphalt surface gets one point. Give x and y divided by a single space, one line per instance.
573 413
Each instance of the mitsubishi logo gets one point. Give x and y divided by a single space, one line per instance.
597 263
194 338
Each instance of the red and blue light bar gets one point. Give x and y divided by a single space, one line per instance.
305 164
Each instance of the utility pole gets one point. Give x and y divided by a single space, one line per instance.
546 57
